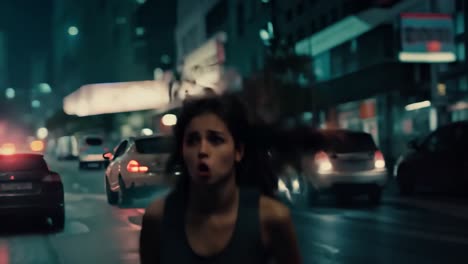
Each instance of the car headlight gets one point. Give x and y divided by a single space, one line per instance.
282 186
295 185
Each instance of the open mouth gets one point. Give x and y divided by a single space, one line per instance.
203 169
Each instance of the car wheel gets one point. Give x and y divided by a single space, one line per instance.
375 196
112 197
405 182
124 195
58 219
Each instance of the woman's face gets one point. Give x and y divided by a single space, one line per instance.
208 149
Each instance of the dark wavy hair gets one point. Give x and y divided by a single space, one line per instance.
253 170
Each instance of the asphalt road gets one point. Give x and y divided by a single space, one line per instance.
425 229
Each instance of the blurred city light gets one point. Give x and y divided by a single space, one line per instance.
37 145
73 31
265 1
140 1
264 35
36 104
270 28
158 74
10 93
42 133
169 120
418 105
165 59
8 149
45 88
140 31
146 132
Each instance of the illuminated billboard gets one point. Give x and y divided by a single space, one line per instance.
427 38
106 98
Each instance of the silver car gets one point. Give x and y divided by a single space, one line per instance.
343 162
137 168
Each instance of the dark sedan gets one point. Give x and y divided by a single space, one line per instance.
28 187
438 163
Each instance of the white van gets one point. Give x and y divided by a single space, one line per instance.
91 149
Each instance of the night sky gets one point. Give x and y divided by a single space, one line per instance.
27 25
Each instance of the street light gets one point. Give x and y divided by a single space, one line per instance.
10 93
73 31
45 88
36 103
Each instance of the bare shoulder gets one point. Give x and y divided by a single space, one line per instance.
273 212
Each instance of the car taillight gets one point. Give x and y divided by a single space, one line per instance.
134 166
52 178
323 162
379 161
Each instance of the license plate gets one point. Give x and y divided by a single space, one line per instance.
15 186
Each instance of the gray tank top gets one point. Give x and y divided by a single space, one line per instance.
245 246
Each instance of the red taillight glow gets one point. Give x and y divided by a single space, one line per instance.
379 161
323 162
134 166
52 178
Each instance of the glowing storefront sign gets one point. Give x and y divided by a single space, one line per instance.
427 38
105 98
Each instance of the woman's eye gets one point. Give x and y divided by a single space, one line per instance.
216 140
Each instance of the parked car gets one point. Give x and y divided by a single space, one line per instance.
28 187
344 162
437 162
137 167
90 151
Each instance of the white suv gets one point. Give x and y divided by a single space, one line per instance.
137 167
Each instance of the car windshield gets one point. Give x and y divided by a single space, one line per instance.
22 163
348 142
154 145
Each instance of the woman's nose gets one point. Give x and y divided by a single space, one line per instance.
204 148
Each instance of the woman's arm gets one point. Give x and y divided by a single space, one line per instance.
279 235
150 233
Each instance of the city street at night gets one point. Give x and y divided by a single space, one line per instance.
398 231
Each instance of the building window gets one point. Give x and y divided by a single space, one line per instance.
335 13
253 9
300 8
323 21
290 39
460 23
313 26
240 19
289 15
461 51
301 33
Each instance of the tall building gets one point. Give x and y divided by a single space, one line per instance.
93 42
155 22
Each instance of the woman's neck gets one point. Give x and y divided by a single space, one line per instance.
213 199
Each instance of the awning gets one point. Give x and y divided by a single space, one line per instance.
368 82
